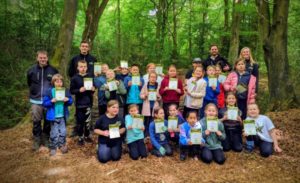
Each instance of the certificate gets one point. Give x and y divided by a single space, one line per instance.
88 83
250 127
138 122
135 80
159 126
240 88
114 131
152 95
212 81
222 78
172 122
97 67
173 83
196 136
159 69
124 64
212 124
60 94
191 86
232 113
112 85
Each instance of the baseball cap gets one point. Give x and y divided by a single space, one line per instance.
197 60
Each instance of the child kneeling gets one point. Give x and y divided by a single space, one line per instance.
110 127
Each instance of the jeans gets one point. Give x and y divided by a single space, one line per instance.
233 138
169 151
38 113
137 149
265 148
106 153
58 133
83 120
208 155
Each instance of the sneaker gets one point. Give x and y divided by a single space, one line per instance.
64 149
80 141
88 139
45 140
182 157
36 143
52 152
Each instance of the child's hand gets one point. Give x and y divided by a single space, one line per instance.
170 130
190 143
66 99
129 83
240 120
219 133
53 100
106 133
166 88
143 128
277 149
146 93
214 87
224 117
207 132
244 134
93 88
129 127
82 89
118 82
106 86
162 150
178 90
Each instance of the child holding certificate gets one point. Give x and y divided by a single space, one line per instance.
159 134
110 127
100 81
135 133
134 83
174 122
213 134
221 78
212 88
57 101
151 96
83 89
195 91
190 137
151 67
231 118
243 84
171 89
264 136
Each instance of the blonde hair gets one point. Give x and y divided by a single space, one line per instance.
211 105
56 77
112 103
252 61
149 65
133 106
211 66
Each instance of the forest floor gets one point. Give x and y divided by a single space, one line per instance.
20 164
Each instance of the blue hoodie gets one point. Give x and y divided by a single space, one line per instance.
185 132
133 91
158 139
211 95
98 82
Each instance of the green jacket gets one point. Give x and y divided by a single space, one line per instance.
213 141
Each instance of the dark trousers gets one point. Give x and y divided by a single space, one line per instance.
106 153
265 148
186 110
208 155
38 114
166 108
191 150
233 138
242 105
83 119
147 121
169 151
137 149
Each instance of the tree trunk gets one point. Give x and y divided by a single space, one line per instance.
64 43
225 39
93 14
190 30
273 32
118 37
203 27
235 32
174 34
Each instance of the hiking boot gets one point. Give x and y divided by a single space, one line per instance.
64 149
182 156
80 141
52 152
36 143
88 139
45 140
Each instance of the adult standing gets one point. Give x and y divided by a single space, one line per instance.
215 58
84 55
251 65
39 81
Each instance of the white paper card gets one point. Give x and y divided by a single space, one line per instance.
212 82
88 83
60 94
124 64
112 85
232 113
250 127
191 86
159 69
172 123
138 122
196 136
222 78
152 95
159 126
97 68
114 131
136 80
212 125
173 84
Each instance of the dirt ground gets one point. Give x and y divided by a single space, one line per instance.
20 164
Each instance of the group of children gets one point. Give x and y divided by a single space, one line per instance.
135 108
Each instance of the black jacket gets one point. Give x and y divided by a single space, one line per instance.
39 80
90 64
218 60
84 99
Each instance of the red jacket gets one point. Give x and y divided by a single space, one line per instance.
169 96
221 97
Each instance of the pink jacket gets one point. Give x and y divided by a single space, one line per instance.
232 81
146 103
